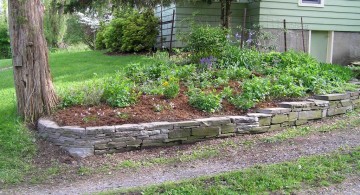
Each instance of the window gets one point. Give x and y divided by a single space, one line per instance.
312 3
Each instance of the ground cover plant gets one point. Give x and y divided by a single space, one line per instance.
166 89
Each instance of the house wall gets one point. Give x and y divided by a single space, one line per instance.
167 15
204 13
346 47
336 15
340 16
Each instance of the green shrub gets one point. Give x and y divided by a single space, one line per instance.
286 86
235 56
131 31
238 73
86 93
120 91
140 31
171 89
204 41
253 91
100 38
113 34
205 101
5 51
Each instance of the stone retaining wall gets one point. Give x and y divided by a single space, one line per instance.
88 141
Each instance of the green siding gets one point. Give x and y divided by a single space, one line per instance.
205 14
209 13
336 15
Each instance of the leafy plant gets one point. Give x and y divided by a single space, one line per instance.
5 51
120 91
204 41
131 31
205 101
254 90
86 93
171 88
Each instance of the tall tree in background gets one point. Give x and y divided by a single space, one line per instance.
54 22
33 84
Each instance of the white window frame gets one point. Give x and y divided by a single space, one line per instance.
321 4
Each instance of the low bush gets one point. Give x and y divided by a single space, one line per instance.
86 93
205 41
253 91
120 91
171 88
5 51
205 101
131 31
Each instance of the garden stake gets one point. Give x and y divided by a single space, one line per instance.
243 28
285 35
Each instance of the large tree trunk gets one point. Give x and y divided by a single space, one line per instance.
33 84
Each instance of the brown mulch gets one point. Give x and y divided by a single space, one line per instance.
148 109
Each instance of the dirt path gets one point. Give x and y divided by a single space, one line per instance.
239 158
351 186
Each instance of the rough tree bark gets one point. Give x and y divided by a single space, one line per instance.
33 84
228 13
222 12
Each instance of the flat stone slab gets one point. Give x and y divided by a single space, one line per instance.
332 97
259 115
320 103
274 110
303 104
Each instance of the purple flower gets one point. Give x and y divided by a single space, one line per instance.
237 36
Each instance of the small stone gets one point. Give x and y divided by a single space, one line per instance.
331 97
226 135
293 116
117 144
257 130
279 118
157 125
179 133
229 128
301 122
186 124
100 130
345 103
129 127
337 111
276 127
214 121
243 120
275 110
303 105
159 137
175 140
101 146
309 115
320 103
205 131
80 152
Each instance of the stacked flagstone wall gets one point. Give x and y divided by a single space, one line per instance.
88 141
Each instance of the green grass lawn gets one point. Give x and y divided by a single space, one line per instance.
5 63
314 171
17 144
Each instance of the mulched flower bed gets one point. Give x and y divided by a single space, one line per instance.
148 109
